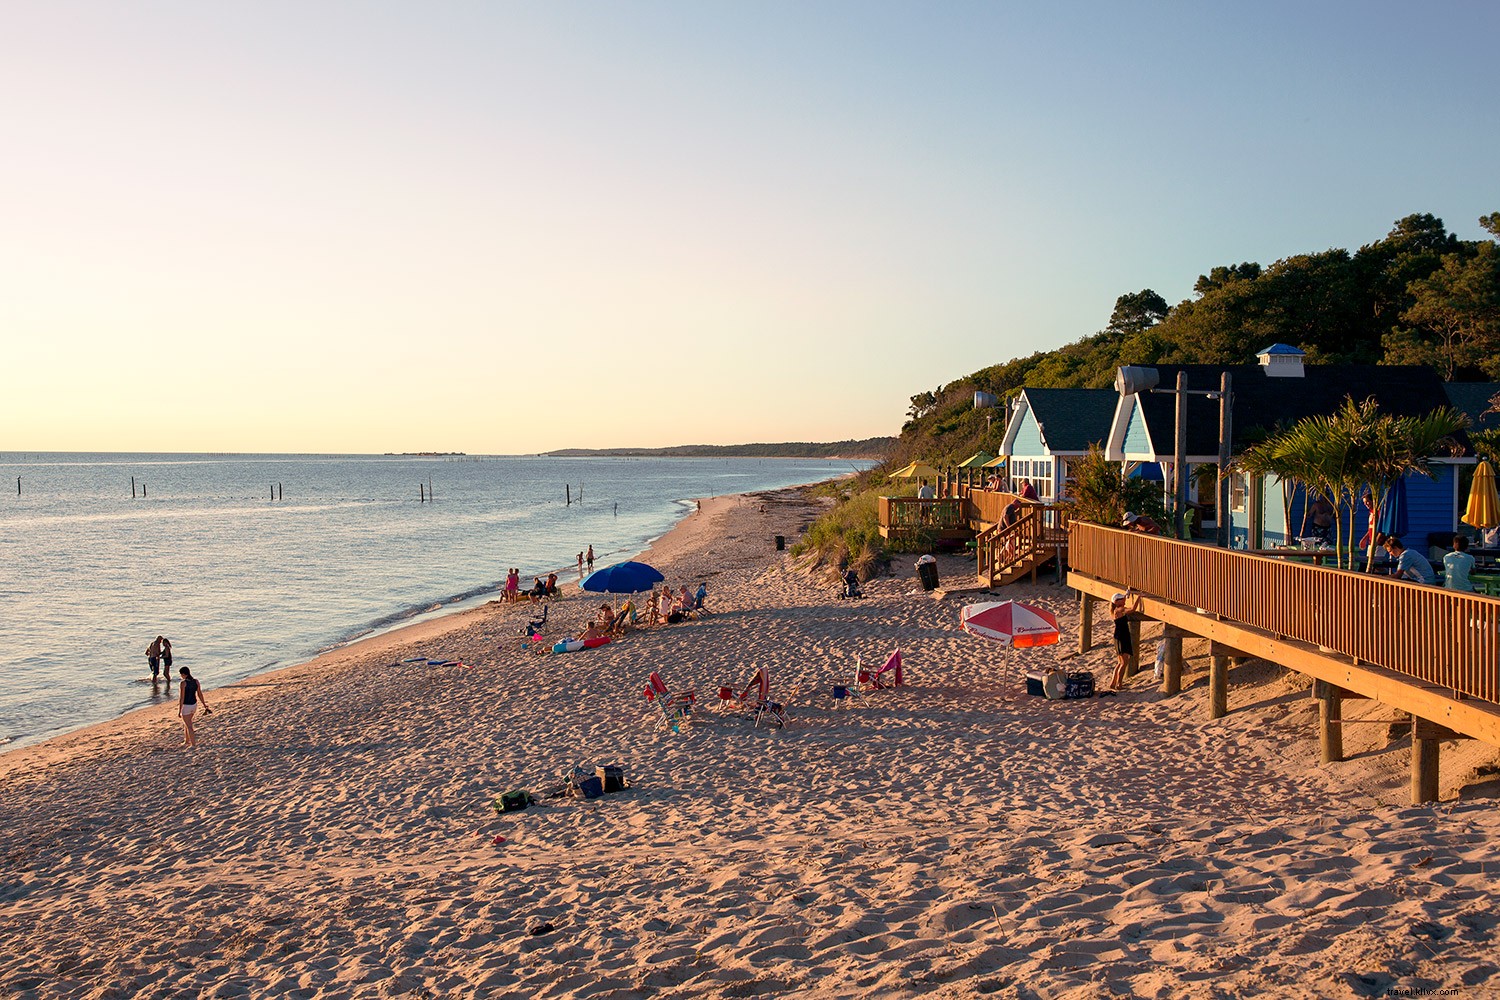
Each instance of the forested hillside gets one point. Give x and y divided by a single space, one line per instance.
1418 296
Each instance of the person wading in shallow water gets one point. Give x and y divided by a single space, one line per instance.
189 697
590 558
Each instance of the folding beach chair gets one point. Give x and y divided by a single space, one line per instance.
672 709
755 700
845 695
888 676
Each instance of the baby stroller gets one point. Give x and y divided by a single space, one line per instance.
851 586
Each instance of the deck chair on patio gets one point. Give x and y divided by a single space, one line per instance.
888 676
672 709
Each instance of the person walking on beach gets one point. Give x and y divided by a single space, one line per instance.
591 558
189 697
153 657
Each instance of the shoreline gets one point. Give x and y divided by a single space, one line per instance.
121 729
333 836
348 635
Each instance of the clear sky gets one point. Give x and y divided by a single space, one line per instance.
506 227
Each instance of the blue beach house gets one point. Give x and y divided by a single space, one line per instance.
1048 429
1279 391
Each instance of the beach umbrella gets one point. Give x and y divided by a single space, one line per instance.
916 470
1483 510
1392 521
976 460
996 463
623 578
1010 623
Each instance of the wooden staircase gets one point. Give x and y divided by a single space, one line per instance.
1007 552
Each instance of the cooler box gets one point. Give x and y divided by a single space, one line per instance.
612 777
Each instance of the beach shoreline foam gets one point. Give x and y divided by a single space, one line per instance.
333 836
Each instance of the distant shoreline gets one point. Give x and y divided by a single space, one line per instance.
869 449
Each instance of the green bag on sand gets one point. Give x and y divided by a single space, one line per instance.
513 801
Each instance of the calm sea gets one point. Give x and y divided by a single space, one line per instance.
242 583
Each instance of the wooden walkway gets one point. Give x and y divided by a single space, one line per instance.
1431 653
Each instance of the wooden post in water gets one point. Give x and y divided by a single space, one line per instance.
280 492
421 493
429 488
1330 721
18 486
1172 679
132 487
568 493
1085 621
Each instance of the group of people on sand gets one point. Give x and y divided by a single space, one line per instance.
189 691
539 588
672 608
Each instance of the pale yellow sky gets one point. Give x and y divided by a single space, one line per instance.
505 228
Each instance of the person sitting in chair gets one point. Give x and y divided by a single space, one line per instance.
700 596
627 613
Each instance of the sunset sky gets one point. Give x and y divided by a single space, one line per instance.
500 227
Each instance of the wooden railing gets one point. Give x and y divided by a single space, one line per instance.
1008 550
1442 637
912 514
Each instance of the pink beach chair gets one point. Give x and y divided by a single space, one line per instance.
888 676
673 709
755 700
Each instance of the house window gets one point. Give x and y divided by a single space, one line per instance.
1238 494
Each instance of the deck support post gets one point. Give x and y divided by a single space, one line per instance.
1424 764
1172 680
1133 665
1085 621
1330 721
1218 685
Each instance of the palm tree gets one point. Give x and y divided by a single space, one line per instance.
1354 450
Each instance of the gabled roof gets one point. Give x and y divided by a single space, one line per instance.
1070 419
1472 399
1262 404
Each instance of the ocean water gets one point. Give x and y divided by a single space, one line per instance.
242 583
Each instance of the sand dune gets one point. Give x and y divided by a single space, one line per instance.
333 836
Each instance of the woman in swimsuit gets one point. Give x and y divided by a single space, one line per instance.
189 697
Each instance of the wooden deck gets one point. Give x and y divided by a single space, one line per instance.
1432 653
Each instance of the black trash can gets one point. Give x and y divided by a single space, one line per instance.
927 571
780 543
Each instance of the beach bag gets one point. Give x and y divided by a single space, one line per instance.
585 781
513 802
675 617
1079 685
612 777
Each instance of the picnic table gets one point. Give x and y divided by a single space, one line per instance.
1318 556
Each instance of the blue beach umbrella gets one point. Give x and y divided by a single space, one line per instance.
1392 521
622 578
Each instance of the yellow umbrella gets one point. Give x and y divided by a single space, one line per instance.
916 470
1484 503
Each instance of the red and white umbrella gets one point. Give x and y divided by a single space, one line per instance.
1010 623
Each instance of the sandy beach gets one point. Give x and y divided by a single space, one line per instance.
333 836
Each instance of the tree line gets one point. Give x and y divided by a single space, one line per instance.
1420 295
